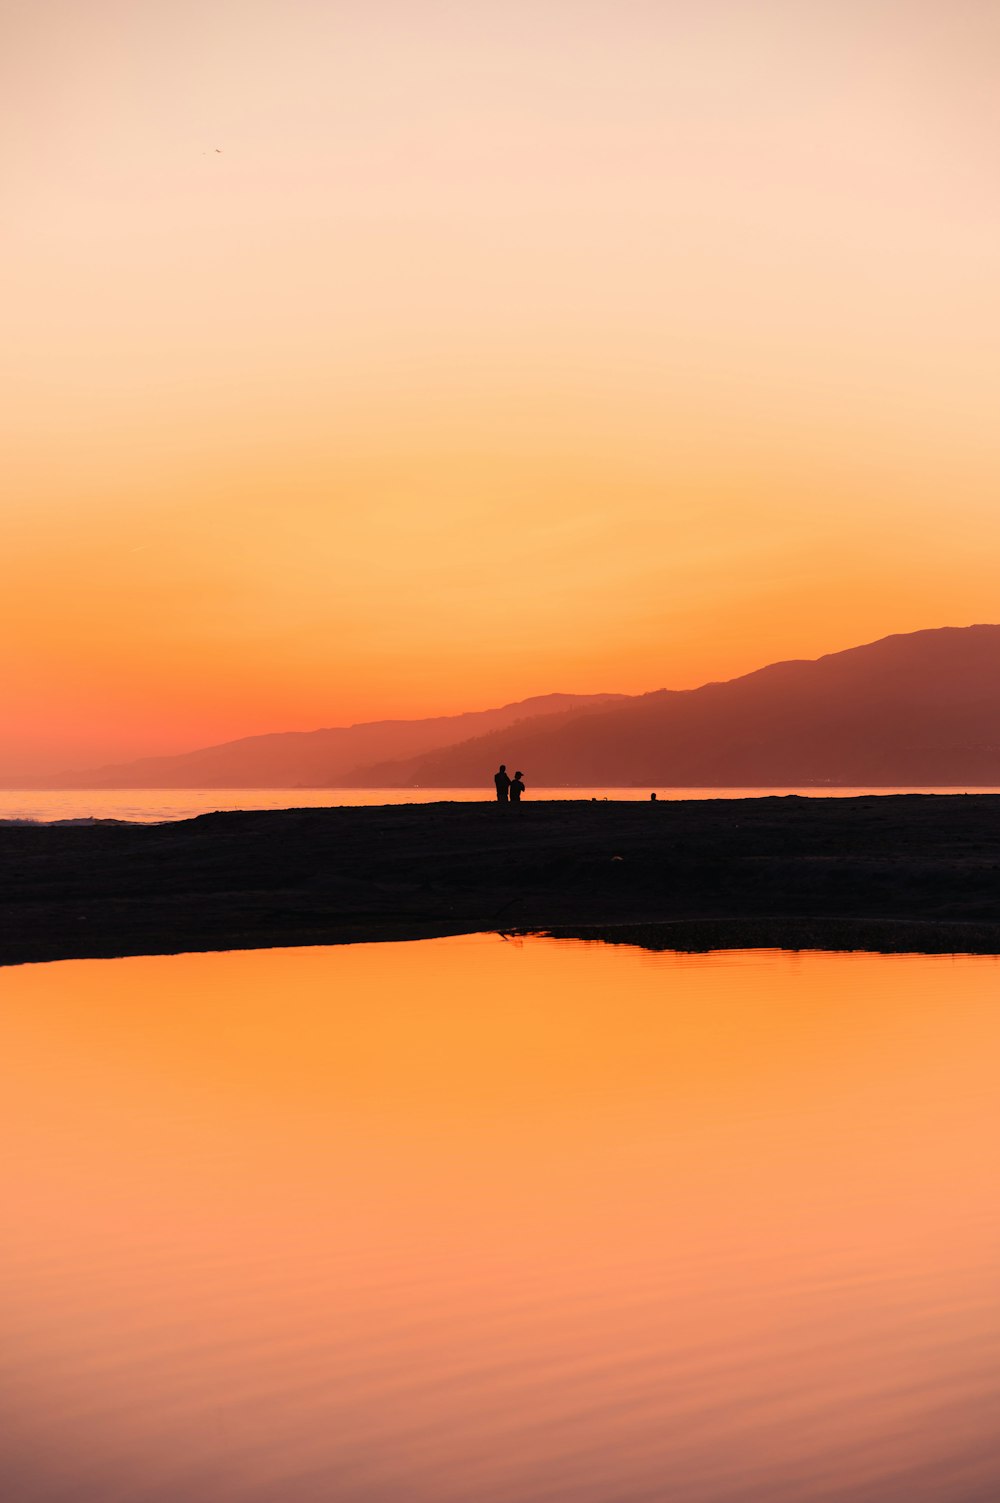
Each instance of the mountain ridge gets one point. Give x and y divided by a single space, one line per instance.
910 709
302 758
919 708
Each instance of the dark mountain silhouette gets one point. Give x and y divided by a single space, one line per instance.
920 709
322 758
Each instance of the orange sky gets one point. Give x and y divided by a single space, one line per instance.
500 349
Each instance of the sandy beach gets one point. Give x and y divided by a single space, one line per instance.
896 873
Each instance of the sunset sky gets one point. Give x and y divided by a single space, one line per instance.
390 357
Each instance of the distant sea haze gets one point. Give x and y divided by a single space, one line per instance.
916 710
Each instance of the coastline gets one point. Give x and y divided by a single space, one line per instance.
907 872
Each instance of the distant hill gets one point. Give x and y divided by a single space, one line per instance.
324 758
918 709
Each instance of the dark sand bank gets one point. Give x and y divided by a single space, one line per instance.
910 872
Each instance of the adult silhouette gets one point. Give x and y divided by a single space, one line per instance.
503 784
516 789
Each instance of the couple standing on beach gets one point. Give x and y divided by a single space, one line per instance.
509 790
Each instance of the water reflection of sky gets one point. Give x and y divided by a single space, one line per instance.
473 1220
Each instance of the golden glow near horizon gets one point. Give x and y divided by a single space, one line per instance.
398 359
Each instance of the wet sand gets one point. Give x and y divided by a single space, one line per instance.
917 872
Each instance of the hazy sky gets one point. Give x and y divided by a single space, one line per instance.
498 348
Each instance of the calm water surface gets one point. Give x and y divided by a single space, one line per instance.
475 1220
151 805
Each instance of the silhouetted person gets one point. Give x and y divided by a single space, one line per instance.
652 798
516 789
503 783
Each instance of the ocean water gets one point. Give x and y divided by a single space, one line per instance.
475 1221
151 805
